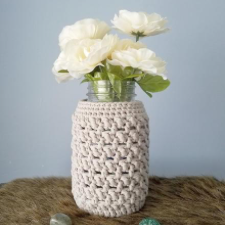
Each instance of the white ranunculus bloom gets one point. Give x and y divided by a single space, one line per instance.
143 59
124 44
140 23
60 64
83 56
83 29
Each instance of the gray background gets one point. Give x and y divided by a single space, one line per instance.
187 120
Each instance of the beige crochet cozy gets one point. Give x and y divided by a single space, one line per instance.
110 157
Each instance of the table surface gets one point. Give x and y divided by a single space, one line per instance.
172 201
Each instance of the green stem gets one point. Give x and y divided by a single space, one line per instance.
100 68
137 37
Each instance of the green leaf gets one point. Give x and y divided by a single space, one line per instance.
97 76
103 74
151 83
149 94
84 80
89 77
133 76
63 71
95 87
113 69
113 77
128 71
100 76
116 82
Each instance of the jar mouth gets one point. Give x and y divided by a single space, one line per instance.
108 83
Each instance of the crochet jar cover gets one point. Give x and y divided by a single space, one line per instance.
110 158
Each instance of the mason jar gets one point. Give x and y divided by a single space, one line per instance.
103 91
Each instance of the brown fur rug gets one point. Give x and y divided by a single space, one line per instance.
177 201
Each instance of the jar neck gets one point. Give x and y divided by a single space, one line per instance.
103 91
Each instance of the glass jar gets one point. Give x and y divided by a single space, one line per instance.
103 91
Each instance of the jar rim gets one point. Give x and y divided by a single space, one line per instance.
108 81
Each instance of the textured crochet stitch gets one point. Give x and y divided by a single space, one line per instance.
110 159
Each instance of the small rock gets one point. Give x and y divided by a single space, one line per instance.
149 221
60 219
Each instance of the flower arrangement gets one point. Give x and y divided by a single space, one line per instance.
88 51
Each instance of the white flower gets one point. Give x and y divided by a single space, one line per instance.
143 59
83 29
77 53
81 57
124 44
140 23
60 64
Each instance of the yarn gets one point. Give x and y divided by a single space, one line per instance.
110 157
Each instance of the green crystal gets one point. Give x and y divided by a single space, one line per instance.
149 221
60 219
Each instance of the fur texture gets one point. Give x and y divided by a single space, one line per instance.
177 201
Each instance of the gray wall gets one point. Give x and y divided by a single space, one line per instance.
187 120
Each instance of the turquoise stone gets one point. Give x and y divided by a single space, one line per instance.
60 219
149 221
